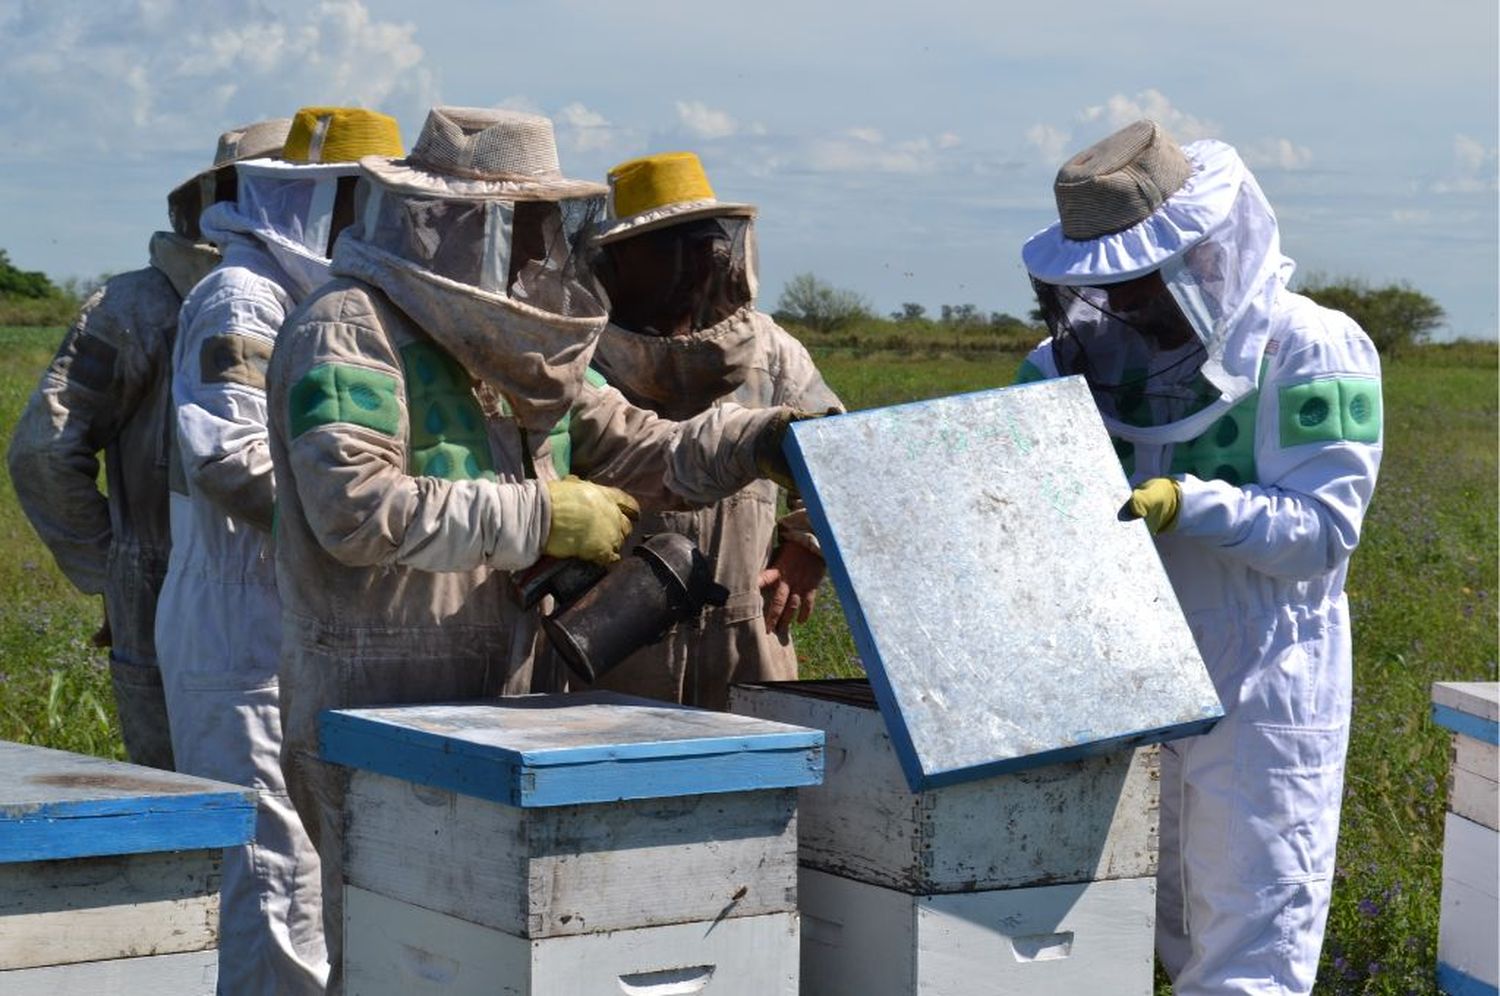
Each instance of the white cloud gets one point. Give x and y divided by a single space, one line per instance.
1051 143
948 140
584 129
865 150
702 121
1404 216
143 77
1276 153
1476 168
1120 110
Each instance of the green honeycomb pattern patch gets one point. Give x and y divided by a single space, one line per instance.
448 437
336 392
1329 410
1226 452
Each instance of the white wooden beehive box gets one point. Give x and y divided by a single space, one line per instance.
570 844
1469 927
1041 880
109 874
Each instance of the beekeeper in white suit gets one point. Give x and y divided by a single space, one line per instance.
1248 419
218 629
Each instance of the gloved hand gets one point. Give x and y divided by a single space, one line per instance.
1156 501
589 521
769 459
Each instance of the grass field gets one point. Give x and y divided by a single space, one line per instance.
1423 588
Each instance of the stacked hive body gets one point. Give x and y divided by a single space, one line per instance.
1039 881
589 843
1469 931
109 874
989 818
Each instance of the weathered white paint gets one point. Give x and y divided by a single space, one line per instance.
865 940
394 948
115 907
1072 822
193 973
573 869
1480 699
1469 927
1473 790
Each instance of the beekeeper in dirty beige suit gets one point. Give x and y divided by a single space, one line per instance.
431 419
110 387
684 336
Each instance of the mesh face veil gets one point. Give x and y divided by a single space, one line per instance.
681 278
534 251
308 206
1142 359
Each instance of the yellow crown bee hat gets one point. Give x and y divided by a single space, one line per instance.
656 191
340 135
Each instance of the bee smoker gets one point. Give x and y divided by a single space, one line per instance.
606 614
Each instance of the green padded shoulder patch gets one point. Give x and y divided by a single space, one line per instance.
448 435
1330 409
594 377
337 392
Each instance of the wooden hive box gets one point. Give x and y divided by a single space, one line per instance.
1469 927
109 874
1039 881
570 844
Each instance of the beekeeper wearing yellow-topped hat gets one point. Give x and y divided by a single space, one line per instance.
685 336
218 630
1248 419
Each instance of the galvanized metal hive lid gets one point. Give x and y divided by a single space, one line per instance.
1005 617
551 750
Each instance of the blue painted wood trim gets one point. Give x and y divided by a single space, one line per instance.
575 775
1456 983
127 826
859 629
1468 724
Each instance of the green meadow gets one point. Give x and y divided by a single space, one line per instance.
1422 586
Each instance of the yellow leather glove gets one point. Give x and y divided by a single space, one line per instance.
1156 501
589 521
769 458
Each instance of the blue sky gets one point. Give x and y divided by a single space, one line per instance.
901 150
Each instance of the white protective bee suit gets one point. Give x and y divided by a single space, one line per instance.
218 629
1275 438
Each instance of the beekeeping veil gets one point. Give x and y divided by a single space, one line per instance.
180 252
680 270
480 240
295 206
1158 281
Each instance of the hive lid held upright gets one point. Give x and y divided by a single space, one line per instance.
56 805
554 750
1005 616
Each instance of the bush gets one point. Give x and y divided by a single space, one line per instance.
27 297
809 301
1396 317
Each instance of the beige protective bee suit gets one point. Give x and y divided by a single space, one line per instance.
419 403
109 388
699 659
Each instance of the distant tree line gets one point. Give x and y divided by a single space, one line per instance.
1397 317
29 297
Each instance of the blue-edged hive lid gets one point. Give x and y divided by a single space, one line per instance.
556 750
1469 708
1006 618
56 805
